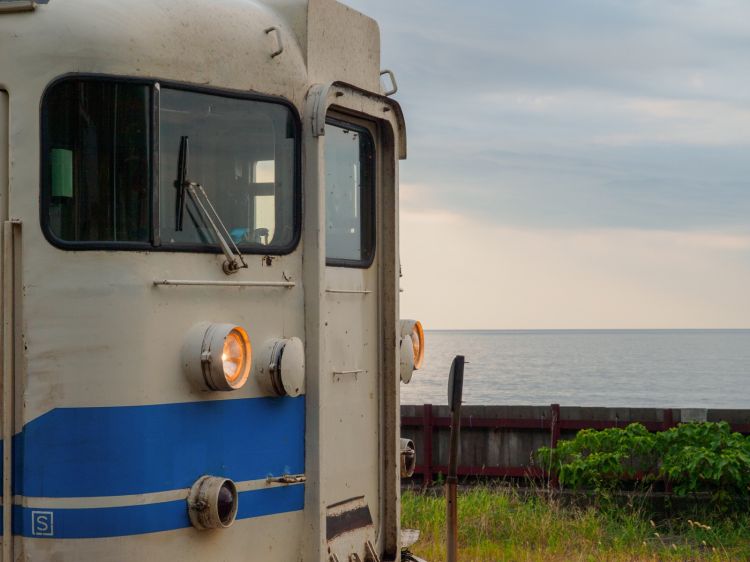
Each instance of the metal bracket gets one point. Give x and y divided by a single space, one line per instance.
320 108
10 259
394 84
370 554
318 95
279 42
287 479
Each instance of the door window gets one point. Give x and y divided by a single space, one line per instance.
350 195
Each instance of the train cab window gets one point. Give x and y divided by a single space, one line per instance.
350 195
241 152
129 165
97 163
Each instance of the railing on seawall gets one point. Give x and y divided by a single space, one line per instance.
499 441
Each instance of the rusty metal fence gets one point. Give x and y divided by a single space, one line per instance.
498 441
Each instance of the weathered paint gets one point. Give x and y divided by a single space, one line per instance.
100 343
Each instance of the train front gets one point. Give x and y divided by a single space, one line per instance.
201 344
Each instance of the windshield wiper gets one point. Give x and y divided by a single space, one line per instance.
234 261
182 165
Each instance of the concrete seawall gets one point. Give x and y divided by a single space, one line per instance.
498 441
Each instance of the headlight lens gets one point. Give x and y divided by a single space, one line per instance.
236 357
411 356
218 356
417 342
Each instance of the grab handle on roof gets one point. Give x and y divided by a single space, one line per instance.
279 42
394 85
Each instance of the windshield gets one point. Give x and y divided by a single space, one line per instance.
242 153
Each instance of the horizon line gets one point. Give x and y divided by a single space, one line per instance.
745 329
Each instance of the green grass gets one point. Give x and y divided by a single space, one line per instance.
498 524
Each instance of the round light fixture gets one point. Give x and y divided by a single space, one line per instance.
412 348
218 356
417 342
281 367
213 503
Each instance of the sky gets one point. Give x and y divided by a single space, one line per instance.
573 163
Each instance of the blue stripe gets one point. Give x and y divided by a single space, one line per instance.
89 452
141 519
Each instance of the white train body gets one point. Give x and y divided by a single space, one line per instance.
110 415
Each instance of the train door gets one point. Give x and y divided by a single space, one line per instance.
352 334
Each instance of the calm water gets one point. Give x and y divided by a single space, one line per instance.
650 368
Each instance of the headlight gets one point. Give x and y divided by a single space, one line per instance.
236 357
417 342
413 329
412 348
218 356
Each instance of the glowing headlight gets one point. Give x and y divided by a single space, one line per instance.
412 348
417 342
218 356
236 357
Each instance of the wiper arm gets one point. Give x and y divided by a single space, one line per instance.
234 261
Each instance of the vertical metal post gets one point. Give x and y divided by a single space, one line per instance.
313 271
555 425
427 435
455 393
667 419
6 308
8 366
666 423
554 437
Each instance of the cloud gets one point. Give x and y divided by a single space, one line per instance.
460 273
586 151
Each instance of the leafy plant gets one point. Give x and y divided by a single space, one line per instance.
705 457
694 457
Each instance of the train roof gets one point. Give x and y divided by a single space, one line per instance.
226 43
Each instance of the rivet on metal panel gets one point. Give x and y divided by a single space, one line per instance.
279 43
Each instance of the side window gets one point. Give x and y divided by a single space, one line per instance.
129 165
350 195
96 161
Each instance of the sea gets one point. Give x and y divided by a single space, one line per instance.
615 368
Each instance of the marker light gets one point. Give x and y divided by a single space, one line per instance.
218 356
280 367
